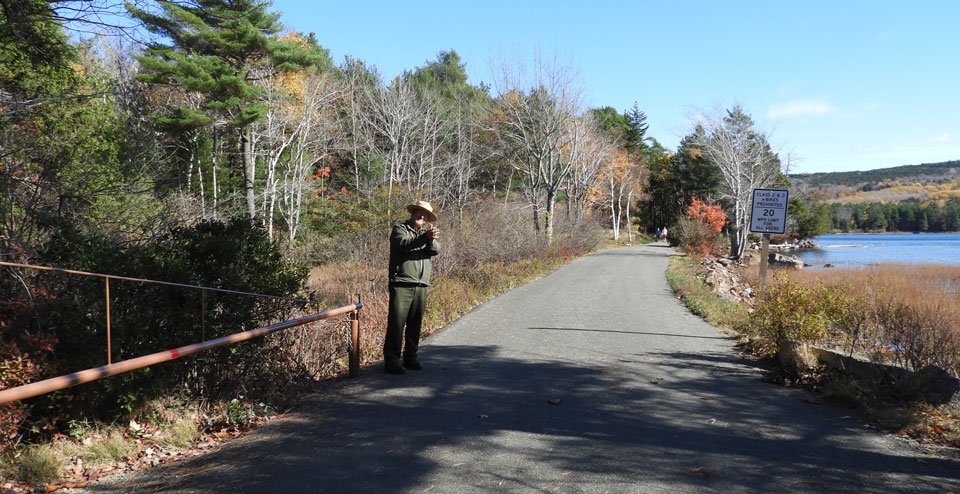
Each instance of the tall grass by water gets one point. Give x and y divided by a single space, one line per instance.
909 312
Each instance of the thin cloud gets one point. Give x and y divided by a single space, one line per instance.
802 108
942 138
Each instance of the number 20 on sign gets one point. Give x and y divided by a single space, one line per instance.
769 211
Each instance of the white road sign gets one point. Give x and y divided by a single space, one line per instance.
769 211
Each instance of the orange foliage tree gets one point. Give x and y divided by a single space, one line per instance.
711 216
701 232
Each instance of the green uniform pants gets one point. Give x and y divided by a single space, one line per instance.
407 305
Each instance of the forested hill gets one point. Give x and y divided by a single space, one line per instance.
898 175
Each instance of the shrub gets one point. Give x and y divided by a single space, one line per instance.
789 311
147 318
920 336
699 232
21 355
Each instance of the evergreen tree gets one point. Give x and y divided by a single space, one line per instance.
696 176
630 126
211 47
665 199
636 130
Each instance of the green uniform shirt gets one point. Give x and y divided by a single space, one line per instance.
410 253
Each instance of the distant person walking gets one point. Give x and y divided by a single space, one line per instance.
663 234
412 244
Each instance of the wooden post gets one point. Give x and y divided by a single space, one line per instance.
354 344
203 314
109 358
764 254
355 341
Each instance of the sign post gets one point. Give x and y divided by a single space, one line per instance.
768 214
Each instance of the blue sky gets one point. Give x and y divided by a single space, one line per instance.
839 85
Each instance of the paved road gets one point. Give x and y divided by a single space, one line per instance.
593 379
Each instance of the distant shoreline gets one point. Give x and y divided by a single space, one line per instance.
889 233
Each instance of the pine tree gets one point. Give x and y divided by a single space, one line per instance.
210 47
636 131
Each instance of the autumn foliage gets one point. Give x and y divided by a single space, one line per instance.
699 232
710 216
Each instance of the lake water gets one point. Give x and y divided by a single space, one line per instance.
863 249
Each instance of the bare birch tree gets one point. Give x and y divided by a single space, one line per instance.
358 80
296 134
597 153
540 122
744 157
463 153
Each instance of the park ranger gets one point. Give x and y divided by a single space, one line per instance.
412 244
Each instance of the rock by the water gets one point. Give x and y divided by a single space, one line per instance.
791 245
777 260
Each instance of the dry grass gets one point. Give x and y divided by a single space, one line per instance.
909 314
928 287
39 464
696 295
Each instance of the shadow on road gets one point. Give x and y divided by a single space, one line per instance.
638 333
479 421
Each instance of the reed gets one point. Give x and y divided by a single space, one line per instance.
911 313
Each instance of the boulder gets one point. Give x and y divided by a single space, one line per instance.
724 278
933 384
777 260
794 244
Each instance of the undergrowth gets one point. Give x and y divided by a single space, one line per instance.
697 296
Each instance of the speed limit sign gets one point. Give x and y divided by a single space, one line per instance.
769 211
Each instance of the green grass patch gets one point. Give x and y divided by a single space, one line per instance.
40 465
181 434
103 450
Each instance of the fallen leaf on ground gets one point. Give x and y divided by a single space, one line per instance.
706 398
68 485
703 472
553 402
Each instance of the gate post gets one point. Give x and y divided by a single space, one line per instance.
355 343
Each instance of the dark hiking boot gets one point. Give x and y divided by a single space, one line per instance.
393 368
414 365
